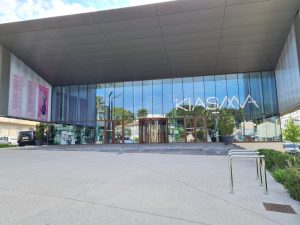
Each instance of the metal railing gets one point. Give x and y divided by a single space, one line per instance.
260 165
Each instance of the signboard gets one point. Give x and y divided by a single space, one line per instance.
213 103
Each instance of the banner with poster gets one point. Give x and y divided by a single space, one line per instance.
43 103
16 106
29 94
31 99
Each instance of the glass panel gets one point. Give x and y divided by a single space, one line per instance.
200 129
244 91
188 95
178 97
260 131
56 104
89 135
128 100
99 132
210 93
168 103
65 105
118 132
178 133
130 132
91 105
273 129
171 130
199 97
256 100
118 107
138 98
269 93
190 129
73 97
157 98
109 132
83 104
147 99
153 130
109 98
221 91
100 102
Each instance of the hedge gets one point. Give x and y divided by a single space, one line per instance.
285 169
6 146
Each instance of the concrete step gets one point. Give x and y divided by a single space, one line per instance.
174 148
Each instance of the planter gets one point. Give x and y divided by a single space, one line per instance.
38 142
228 139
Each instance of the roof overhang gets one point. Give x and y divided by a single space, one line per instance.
170 39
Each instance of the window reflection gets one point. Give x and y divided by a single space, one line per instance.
188 106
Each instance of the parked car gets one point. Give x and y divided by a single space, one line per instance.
8 140
291 148
26 138
127 140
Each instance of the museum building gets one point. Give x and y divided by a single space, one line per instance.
157 73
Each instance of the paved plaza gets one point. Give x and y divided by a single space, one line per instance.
43 187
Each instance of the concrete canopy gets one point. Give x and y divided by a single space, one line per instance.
170 39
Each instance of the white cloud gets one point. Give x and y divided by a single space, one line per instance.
18 10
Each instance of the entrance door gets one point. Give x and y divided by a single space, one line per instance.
195 129
109 132
153 130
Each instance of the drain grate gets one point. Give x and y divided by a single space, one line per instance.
279 208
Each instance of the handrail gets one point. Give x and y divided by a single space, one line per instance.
260 159
240 150
249 152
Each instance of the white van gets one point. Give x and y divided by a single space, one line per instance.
8 140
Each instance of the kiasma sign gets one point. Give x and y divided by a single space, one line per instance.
213 103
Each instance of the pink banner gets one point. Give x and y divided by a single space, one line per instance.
43 103
16 107
31 99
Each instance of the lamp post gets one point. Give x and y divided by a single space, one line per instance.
217 124
109 105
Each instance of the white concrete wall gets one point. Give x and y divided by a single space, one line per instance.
258 145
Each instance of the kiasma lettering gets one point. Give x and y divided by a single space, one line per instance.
213 103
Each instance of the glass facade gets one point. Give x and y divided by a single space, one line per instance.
167 110
288 73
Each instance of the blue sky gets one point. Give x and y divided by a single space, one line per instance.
18 10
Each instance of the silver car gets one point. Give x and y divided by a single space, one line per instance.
291 148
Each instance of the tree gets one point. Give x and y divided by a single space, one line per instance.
120 113
142 113
292 131
100 105
226 123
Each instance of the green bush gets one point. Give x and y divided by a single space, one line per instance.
285 169
290 178
276 160
280 175
292 183
6 146
40 131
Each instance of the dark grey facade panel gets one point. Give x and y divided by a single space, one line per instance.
297 33
163 40
4 80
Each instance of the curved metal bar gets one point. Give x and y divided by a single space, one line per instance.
260 159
